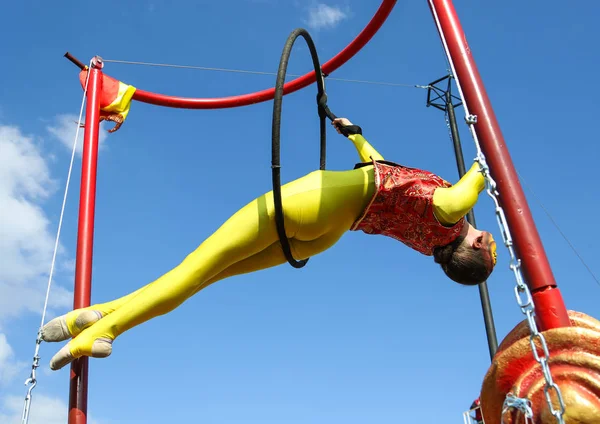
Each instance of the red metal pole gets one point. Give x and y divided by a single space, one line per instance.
85 240
549 304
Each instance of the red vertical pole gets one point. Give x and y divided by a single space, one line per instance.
549 305
78 389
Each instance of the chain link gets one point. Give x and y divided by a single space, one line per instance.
523 405
522 293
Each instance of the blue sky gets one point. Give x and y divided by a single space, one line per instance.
369 331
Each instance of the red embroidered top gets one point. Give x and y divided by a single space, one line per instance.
402 208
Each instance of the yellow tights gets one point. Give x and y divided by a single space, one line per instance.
318 209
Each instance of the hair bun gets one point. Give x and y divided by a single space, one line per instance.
443 255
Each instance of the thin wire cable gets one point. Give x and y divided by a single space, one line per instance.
243 71
32 379
558 229
449 67
203 68
64 200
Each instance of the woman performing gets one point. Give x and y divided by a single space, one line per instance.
413 206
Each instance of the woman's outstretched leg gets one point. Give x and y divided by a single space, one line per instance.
318 209
273 256
70 325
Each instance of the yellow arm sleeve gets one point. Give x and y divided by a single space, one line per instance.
452 203
366 152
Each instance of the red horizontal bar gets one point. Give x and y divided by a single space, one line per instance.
260 96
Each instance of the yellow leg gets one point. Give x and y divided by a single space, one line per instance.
273 256
318 209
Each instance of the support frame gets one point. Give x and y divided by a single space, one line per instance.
78 387
445 101
549 305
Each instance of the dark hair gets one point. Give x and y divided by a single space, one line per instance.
462 263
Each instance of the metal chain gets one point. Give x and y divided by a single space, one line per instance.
521 289
522 293
447 119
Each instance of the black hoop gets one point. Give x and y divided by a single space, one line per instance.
323 113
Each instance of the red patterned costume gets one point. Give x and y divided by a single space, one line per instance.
402 208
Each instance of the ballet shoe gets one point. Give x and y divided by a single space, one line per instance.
69 325
101 348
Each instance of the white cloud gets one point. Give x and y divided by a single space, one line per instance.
26 247
26 236
9 366
65 128
324 16
44 410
